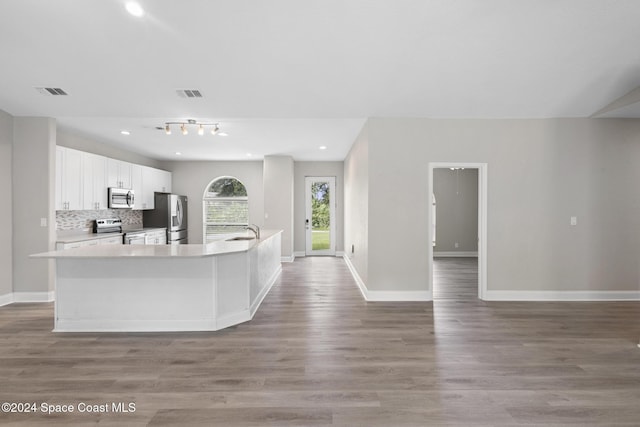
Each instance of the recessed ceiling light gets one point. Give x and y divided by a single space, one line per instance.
134 8
249 154
178 153
223 134
125 132
323 147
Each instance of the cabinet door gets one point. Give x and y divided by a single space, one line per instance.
94 181
148 187
165 181
60 203
137 186
118 174
68 179
113 173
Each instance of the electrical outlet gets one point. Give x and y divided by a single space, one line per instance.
574 220
456 245
43 222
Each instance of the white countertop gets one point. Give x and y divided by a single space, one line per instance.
162 251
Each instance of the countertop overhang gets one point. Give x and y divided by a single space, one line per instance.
219 247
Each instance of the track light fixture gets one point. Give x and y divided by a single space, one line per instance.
201 126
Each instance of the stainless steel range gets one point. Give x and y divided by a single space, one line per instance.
107 225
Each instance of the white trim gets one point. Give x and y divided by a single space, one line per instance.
389 296
482 222
299 254
233 319
114 325
562 296
265 290
339 254
6 299
34 296
287 258
460 254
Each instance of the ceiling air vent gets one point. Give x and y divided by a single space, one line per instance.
51 91
189 93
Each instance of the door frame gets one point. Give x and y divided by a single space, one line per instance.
308 181
482 222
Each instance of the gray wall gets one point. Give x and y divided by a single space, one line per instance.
278 199
34 141
192 179
540 173
456 194
6 239
356 204
82 143
302 170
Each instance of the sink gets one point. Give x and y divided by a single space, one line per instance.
240 238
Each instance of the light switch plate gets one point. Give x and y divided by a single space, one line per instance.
574 220
43 222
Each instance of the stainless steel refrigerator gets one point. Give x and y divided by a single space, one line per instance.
170 212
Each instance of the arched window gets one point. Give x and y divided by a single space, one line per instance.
225 208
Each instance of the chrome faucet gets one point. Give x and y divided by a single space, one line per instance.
255 230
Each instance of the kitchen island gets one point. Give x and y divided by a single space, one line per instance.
143 288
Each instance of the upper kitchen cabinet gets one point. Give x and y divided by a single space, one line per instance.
94 176
83 180
153 180
118 174
69 179
137 185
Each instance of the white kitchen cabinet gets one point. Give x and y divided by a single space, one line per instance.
156 237
164 181
69 190
115 240
153 180
118 174
137 185
94 175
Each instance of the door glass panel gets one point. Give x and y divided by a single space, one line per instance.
320 216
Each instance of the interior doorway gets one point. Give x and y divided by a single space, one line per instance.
457 231
320 225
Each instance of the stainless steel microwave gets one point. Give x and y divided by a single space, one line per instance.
120 198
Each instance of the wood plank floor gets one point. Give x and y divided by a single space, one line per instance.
455 278
316 354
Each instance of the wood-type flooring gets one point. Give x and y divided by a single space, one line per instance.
317 354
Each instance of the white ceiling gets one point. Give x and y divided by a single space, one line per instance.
286 76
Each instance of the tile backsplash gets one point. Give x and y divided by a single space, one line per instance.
83 220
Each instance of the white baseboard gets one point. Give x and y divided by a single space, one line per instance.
6 299
460 254
34 296
233 319
562 296
300 254
287 258
390 296
111 325
340 254
256 304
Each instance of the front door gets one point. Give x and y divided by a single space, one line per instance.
320 219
